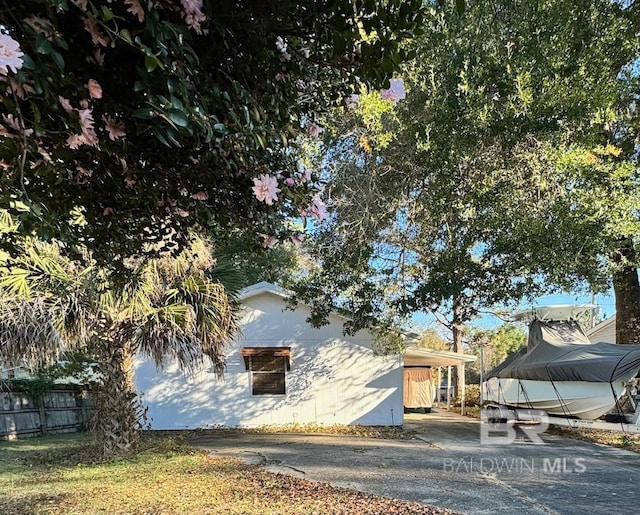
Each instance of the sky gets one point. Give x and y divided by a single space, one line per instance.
605 303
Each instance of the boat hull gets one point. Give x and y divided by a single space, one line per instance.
582 399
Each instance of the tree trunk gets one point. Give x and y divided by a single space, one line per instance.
120 416
457 329
627 294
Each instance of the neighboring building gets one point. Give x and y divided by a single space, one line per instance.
11 371
605 331
280 370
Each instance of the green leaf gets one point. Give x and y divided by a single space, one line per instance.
107 14
57 57
461 6
178 117
173 136
157 132
145 113
43 45
28 63
247 116
151 62
126 35
176 103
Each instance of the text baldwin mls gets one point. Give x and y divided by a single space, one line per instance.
515 465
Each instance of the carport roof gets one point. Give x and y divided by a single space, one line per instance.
415 356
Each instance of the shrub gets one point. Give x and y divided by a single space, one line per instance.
471 396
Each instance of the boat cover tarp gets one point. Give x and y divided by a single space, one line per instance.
560 351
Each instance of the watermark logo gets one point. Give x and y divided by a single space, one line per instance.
501 465
504 426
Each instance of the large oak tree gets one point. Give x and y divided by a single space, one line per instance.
509 169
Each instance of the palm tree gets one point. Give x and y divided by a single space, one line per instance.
165 308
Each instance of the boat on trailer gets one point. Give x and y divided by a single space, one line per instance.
561 371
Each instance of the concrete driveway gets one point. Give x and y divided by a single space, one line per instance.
448 467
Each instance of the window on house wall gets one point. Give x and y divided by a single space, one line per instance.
268 367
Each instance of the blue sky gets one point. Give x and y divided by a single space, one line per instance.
605 302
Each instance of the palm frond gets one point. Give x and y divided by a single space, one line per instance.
15 281
7 222
27 332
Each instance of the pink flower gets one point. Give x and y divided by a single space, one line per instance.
83 172
98 55
45 155
305 175
108 211
10 55
40 25
182 212
88 137
95 90
66 105
395 92
200 195
269 241
135 8
266 189
10 121
86 119
130 181
279 77
317 209
289 181
21 90
114 128
75 140
314 129
193 14
352 100
296 239
97 37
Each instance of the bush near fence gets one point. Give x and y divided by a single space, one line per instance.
471 396
34 407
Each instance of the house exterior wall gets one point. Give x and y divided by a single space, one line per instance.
333 379
603 332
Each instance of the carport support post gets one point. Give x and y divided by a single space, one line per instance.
438 397
449 387
462 399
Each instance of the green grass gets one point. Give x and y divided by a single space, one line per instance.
65 475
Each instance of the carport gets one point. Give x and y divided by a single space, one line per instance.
417 357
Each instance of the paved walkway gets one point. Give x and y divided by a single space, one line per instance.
446 466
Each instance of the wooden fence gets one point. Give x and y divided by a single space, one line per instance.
63 409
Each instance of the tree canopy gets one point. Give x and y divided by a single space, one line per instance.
125 122
509 169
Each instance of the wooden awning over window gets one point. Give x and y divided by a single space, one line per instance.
266 352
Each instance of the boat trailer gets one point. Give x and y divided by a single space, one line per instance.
626 423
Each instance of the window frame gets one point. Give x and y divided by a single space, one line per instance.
270 365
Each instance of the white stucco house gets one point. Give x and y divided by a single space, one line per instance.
280 370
